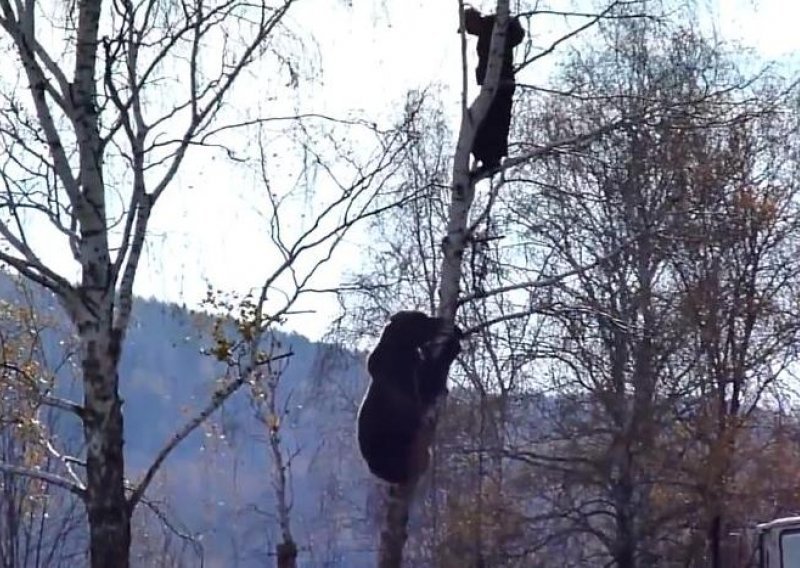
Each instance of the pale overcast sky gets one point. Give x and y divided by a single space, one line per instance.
370 55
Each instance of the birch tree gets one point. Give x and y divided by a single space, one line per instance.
110 100
65 144
601 232
394 534
461 225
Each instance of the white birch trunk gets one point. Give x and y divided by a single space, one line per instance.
93 313
286 549
394 532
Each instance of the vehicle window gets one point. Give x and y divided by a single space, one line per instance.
790 548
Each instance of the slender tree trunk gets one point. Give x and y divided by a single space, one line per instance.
624 555
287 554
622 493
286 550
107 508
721 460
395 531
93 312
714 542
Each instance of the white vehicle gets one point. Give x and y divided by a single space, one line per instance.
779 543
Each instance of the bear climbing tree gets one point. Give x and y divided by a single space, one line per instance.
394 531
407 375
491 139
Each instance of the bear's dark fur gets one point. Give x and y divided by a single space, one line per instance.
491 140
406 379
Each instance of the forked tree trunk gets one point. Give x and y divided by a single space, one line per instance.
93 313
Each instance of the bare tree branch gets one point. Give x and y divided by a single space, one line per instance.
47 477
217 400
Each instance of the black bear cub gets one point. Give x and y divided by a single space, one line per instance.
406 379
491 140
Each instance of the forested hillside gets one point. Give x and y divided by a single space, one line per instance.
213 501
